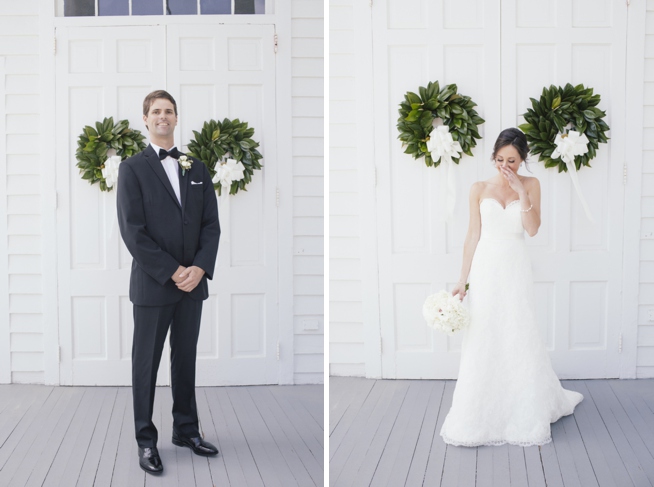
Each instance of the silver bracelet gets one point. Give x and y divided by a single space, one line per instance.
528 209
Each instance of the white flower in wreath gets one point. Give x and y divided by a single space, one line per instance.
570 145
185 163
228 172
442 146
110 170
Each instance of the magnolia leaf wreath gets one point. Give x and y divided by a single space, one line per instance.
447 142
93 145
228 151
565 126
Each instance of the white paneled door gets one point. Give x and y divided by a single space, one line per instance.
214 72
577 265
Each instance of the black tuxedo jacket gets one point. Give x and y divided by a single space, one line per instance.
160 233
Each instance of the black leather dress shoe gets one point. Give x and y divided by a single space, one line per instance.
149 460
198 445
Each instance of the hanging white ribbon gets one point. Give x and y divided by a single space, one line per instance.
567 147
110 174
442 146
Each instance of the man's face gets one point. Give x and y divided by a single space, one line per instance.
161 119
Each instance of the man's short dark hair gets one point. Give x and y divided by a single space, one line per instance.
149 100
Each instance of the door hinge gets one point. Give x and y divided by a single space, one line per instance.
277 349
620 344
381 347
54 47
276 42
374 177
59 355
277 197
56 198
371 3
624 174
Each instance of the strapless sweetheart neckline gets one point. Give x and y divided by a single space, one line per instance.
498 202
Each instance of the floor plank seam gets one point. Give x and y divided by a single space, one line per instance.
120 432
72 418
293 423
440 407
583 441
217 441
254 459
290 468
389 433
422 422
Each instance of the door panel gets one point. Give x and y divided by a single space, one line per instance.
419 253
229 72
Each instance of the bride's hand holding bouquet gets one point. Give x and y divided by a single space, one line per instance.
461 289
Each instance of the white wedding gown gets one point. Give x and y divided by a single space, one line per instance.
507 391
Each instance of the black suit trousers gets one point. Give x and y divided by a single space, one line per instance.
151 325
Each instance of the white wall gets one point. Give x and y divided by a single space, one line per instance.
346 331
308 162
19 43
645 361
22 321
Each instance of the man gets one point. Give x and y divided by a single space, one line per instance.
168 219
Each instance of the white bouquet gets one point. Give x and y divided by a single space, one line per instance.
445 313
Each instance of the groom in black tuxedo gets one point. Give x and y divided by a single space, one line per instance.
168 219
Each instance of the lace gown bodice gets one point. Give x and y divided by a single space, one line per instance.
507 391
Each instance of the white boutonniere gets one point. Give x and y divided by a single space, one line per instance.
185 162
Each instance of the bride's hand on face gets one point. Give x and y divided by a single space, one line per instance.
512 178
459 289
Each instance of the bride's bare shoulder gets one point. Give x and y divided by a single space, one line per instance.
478 187
530 181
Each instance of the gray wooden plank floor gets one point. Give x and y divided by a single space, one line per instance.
84 436
386 433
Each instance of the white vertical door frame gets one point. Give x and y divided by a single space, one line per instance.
282 20
367 177
47 143
635 74
5 331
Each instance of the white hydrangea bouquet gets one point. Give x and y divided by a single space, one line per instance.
445 313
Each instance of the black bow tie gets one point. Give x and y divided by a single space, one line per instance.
174 153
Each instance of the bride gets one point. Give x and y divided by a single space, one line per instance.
507 391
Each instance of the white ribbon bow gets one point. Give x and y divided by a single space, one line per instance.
227 172
442 146
567 147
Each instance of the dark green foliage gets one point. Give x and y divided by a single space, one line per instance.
93 144
231 138
573 107
418 111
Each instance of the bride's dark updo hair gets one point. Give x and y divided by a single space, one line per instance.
514 137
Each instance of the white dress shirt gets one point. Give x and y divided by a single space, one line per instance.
170 165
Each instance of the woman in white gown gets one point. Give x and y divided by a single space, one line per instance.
507 391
